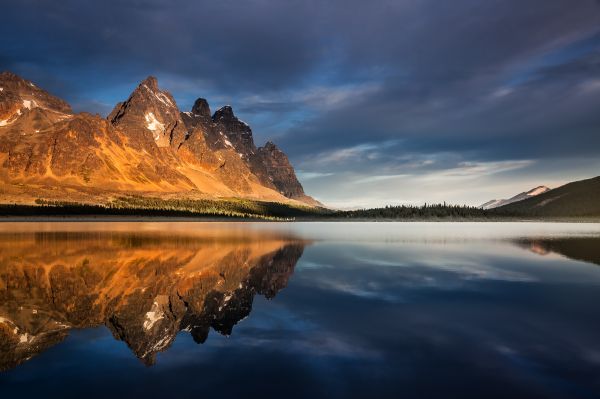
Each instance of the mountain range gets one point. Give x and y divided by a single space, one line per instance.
146 146
519 197
147 149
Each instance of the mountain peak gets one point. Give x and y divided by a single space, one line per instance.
151 115
201 108
149 86
151 83
7 75
20 95
537 191
225 112
270 146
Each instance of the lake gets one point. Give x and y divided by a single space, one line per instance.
387 310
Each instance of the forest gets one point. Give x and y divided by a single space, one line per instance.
244 209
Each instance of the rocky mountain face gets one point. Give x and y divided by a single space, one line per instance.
19 96
280 172
146 146
144 288
149 110
225 132
519 197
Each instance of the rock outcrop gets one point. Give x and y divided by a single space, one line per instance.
281 173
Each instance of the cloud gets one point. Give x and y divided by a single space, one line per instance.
378 178
477 169
311 175
389 89
344 154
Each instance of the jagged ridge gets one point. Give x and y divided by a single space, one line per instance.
146 146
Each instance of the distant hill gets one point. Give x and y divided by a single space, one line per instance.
576 199
519 197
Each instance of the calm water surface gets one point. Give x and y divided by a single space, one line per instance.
299 310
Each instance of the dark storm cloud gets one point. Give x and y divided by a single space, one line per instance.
386 88
229 43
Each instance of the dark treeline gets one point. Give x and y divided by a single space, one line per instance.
242 209
249 209
140 206
232 207
427 211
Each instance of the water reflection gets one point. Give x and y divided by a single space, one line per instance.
372 310
585 249
144 286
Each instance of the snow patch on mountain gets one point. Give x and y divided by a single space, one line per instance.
160 96
154 315
164 99
519 197
537 191
154 125
12 118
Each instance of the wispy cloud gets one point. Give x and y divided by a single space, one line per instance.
302 175
378 178
344 154
316 97
368 151
478 169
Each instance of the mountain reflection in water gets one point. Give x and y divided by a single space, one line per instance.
145 286
586 249
386 310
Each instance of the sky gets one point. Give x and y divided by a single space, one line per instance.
376 103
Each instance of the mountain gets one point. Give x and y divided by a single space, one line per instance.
145 147
576 199
519 197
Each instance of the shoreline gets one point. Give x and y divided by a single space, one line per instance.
217 219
